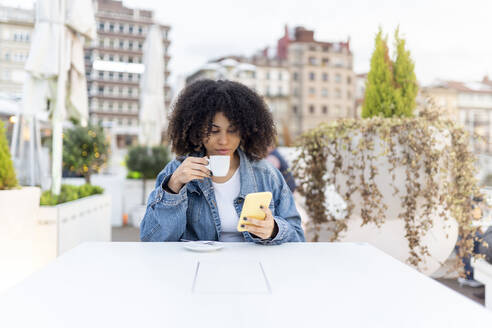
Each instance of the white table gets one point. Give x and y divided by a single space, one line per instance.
307 285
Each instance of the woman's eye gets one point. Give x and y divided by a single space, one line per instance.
214 132
233 131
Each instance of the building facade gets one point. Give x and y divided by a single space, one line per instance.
114 67
322 83
16 26
469 103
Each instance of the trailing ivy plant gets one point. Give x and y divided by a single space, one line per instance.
408 143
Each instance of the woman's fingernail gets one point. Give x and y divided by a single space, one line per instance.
245 219
242 225
261 206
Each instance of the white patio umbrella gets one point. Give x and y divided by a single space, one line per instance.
152 116
56 69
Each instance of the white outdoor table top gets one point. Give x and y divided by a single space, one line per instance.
311 285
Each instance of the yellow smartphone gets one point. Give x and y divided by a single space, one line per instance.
251 207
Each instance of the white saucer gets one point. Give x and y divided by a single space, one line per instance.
203 246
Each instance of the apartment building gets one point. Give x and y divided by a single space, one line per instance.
16 26
468 102
323 83
114 67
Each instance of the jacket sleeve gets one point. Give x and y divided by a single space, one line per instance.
286 216
165 216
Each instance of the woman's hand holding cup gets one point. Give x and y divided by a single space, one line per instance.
191 168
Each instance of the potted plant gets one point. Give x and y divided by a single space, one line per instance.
407 180
78 213
145 163
19 209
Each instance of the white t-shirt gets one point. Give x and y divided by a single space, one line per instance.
225 193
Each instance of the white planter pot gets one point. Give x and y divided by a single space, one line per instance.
18 213
390 236
66 225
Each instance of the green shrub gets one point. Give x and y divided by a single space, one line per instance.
134 175
148 162
87 190
85 150
69 193
8 179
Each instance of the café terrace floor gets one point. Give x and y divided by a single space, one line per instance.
130 234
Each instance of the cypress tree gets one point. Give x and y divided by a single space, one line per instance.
379 96
405 79
391 87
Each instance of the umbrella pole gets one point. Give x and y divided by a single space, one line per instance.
56 165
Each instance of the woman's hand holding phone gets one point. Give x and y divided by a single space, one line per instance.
262 228
191 168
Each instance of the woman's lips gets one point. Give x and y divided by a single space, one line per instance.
223 151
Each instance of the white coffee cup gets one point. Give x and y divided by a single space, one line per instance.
219 165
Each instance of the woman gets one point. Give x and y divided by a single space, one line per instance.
188 203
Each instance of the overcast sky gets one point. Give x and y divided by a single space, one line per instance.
448 39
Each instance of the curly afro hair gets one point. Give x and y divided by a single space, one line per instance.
192 116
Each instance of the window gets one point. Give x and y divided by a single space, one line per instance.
111 27
110 106
130 29
120 76
349 95
311 109
140 30
312 91
120 107
280 91
325 77
130 91
122 44
338 93
325 62
295 76
111 75
349 80
268 75
111 43
101 90
325 109
110 90
294 109
311 76
130 45
312 61
111 58
280 76
121 28
101 26
130 59
338 78
324 92
130 76
296 92
312 48
140 46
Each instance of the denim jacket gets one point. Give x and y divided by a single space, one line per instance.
192 214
